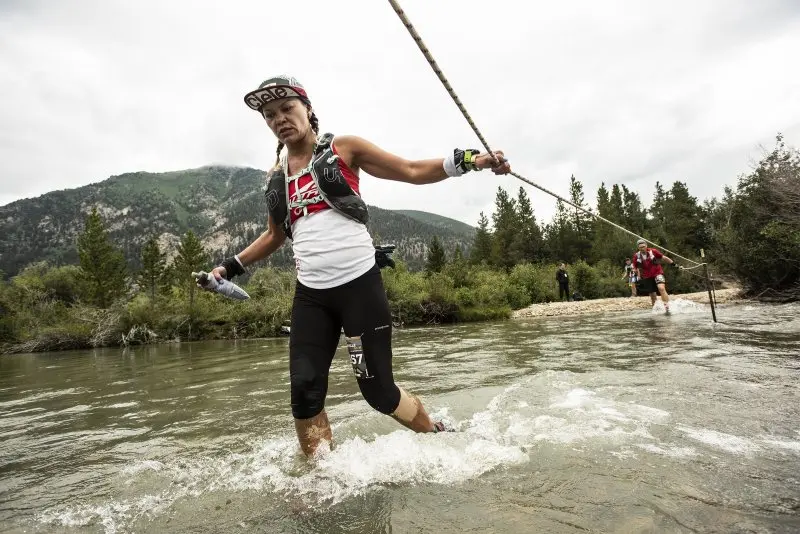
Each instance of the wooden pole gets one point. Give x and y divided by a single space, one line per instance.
708 287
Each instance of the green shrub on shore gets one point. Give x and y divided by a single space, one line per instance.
44 308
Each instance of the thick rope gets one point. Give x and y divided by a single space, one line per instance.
688 270
440 74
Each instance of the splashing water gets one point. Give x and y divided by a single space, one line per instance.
678 306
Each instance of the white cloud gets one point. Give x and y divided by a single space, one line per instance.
610 91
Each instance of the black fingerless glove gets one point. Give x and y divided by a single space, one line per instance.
232 267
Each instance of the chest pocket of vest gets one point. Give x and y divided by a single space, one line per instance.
332 173
326 168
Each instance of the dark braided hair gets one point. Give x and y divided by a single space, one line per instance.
314 126
278 152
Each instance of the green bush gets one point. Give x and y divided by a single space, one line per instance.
440 304
406 292
459 272
487 294
66 283
141 311
538 281
585 281
683 282
463 294
487 287
610 281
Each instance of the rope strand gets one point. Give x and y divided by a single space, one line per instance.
432 62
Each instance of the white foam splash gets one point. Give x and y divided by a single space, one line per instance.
720 440
580 415
123 405
673 451
788 445
679 306
352 468
112 516
147 465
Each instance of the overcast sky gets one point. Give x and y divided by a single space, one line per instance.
617 91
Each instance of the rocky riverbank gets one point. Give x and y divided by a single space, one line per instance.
620 304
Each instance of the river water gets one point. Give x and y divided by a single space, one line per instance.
635 422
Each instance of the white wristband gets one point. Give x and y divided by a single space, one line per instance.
236 257
449 165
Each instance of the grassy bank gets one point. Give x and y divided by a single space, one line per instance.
43 308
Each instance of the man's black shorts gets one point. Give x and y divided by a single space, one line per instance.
650 285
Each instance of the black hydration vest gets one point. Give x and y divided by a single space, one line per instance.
331 184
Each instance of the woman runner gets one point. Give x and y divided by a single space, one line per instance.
313 199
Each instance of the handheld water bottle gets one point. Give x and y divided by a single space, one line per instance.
226 288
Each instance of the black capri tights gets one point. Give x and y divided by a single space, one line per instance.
318 315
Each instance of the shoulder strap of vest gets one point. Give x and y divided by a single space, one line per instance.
274 190
323 143
276 172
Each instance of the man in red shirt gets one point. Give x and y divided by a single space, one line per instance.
647 261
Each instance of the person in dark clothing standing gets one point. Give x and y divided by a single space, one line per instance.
563 282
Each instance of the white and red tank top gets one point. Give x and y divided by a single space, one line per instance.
330 249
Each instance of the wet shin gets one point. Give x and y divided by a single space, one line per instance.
311 432
411 414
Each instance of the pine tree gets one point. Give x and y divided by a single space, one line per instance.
559 235
154 265
658 205
603 232
191 257
506 225
657 223
482 245
103 263
581 221
528 244
615 206
436 257
602 201
634 214
686 225
608 242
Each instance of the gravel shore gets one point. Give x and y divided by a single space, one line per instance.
619 304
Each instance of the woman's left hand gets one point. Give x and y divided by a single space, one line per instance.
496 162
